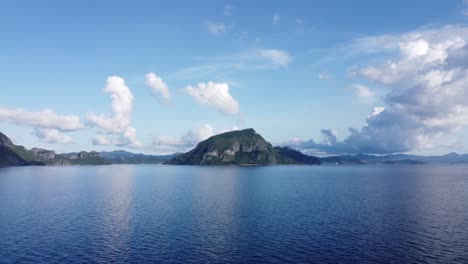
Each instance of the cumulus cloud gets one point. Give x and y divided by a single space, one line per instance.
118 124
364 93
43 119
330 136
216 95
49 135
427 73
277 57
170 144
189 139
216 28
276 19
48 125
101 140
158 87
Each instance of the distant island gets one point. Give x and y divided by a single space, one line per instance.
242 147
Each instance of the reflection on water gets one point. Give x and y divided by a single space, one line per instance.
116 212
141 214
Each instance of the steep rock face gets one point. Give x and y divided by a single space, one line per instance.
243 147
14 155
5 141
9 155
43 153
80 158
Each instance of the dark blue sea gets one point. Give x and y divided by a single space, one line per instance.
283 214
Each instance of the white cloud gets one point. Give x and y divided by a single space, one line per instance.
43 119
158 87
118 125
277 57
323 76
364 93
49 126
192 137
330 136
376 111
188 140
101 140
215 95
216 28
170 144
276 19
49 135
244 61
427 74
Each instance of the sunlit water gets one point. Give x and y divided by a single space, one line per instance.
171 214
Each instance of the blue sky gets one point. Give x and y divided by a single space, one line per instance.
300 73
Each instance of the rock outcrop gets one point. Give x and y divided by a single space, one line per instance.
9 155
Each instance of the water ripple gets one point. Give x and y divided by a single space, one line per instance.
163 214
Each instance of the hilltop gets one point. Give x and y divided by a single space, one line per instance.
242 147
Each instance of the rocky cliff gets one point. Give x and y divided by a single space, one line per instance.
15 155
9 155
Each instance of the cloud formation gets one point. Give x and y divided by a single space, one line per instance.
101 140
188 140
49 135
118 124
277 57
244 61
158 87
43 119
49 127
170 144
364 93
215 95
427 73
330 136
216 28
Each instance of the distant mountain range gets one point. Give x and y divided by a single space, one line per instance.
243 147
451 158
14 155
247 147
124 157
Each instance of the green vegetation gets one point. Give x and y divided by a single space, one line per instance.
243 147
123 157
14 155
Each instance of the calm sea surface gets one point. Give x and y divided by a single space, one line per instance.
284 214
